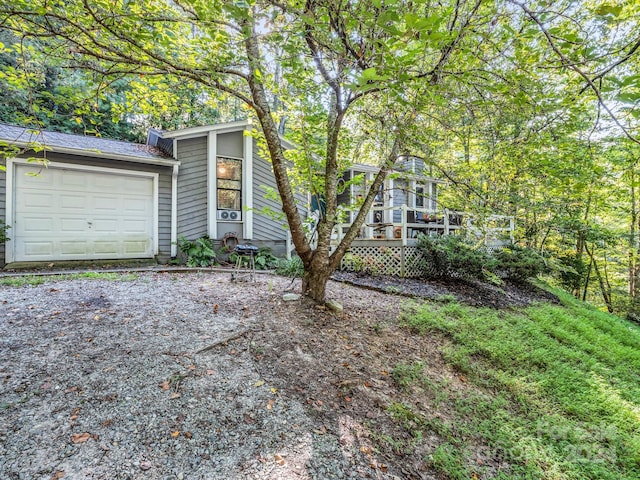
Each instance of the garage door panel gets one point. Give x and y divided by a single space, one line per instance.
135 206
106 248
38 249
134 247
135 226
73 248
75 215
106 204
72 202
137 185
36 224
106 183
71 225
70 178
105 226
35 181
33 199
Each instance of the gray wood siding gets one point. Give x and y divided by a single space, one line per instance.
265 227
192 188
399 198
164 218
3 213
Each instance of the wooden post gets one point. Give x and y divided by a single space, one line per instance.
446 221
512 227
404 228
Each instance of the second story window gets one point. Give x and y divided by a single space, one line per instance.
229 183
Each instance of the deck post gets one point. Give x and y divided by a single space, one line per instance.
512 227
446 221
404 228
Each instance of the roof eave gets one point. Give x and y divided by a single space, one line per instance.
203 130
111 156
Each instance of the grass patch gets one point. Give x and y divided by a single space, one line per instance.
34 280
406 374
560 390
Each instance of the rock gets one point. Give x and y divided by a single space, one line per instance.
290 297
334 306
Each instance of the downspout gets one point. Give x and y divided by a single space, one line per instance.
174 212
174 203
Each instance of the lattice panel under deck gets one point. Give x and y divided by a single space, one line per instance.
383 260
413 262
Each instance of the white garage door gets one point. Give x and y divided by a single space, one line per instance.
70 214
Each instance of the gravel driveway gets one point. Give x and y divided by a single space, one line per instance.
102 379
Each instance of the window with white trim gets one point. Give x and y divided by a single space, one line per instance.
229 183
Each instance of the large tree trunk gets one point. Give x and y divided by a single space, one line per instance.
314 283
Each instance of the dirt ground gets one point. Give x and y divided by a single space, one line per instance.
327 374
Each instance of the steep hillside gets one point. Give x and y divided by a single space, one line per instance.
546 389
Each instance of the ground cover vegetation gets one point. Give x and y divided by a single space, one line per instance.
555 390
526 108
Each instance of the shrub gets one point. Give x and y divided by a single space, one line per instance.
265 259
290 268
198 253
3 232
518 263
452 256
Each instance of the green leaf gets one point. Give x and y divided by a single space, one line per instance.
609 10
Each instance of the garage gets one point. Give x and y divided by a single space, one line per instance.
79 212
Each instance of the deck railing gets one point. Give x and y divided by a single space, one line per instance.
492 229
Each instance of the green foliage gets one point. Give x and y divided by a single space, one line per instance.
355 81
451 256
406 374
290 268
33 280
570 270
199 253
518 263
3 232
265 259
557 389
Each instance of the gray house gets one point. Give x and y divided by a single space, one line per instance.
407 185
105 199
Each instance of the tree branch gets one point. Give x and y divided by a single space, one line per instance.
565 61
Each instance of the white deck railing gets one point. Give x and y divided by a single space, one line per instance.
490 229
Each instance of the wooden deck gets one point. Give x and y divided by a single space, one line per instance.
493 230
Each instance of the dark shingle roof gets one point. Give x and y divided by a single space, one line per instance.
81 144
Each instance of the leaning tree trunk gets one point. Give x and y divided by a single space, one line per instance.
605 287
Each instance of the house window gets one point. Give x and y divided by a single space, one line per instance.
419 197
229 178
434 197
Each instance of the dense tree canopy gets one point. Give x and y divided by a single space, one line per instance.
517 103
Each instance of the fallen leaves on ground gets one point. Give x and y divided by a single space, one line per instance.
80 437
74 414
